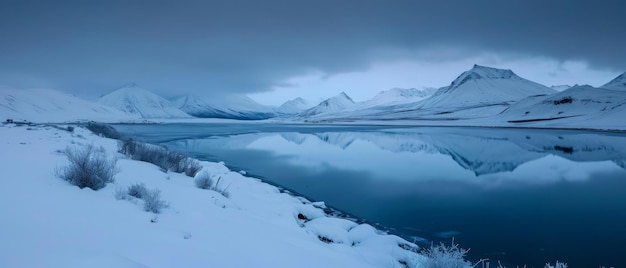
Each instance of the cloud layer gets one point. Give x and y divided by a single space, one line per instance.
251 46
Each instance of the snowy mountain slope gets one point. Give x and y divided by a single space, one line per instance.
619 83
577 103
294 106
332 105
46 105
482 86
225 106
136 100
395 96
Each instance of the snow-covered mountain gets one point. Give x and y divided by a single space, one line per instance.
619 83
332 105
294 106
46 105
396 96
484 86
560 88
226 106
579 103
133 99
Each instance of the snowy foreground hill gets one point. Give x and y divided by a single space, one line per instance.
242 223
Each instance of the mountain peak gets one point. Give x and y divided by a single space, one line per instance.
618 83
337 103
293 106
483 72
142 102
343 95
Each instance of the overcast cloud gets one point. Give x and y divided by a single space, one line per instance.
205 47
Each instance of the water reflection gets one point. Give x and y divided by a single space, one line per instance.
440 154
519 196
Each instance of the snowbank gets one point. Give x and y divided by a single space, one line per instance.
49 223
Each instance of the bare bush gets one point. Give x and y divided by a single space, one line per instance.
204 181
558 264
121 194
159 156
88 167
137 190
152 201
444 256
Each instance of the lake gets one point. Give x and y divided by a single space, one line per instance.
521 196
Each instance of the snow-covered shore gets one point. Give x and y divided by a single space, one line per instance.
49 223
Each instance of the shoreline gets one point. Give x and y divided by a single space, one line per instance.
299 229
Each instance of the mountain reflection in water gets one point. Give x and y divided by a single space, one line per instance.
520 196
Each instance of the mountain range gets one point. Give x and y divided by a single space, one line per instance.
480 96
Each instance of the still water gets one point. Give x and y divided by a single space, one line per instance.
524 197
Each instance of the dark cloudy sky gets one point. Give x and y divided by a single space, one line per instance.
275 50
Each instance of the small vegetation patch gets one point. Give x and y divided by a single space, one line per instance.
152 201
563 100
104 130
205 181
159 156
88 167
444 256
138 190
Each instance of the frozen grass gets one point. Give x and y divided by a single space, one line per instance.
151 198
444 256
205 181
152 201
137 190
88 167
160 156
558 264
452 256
